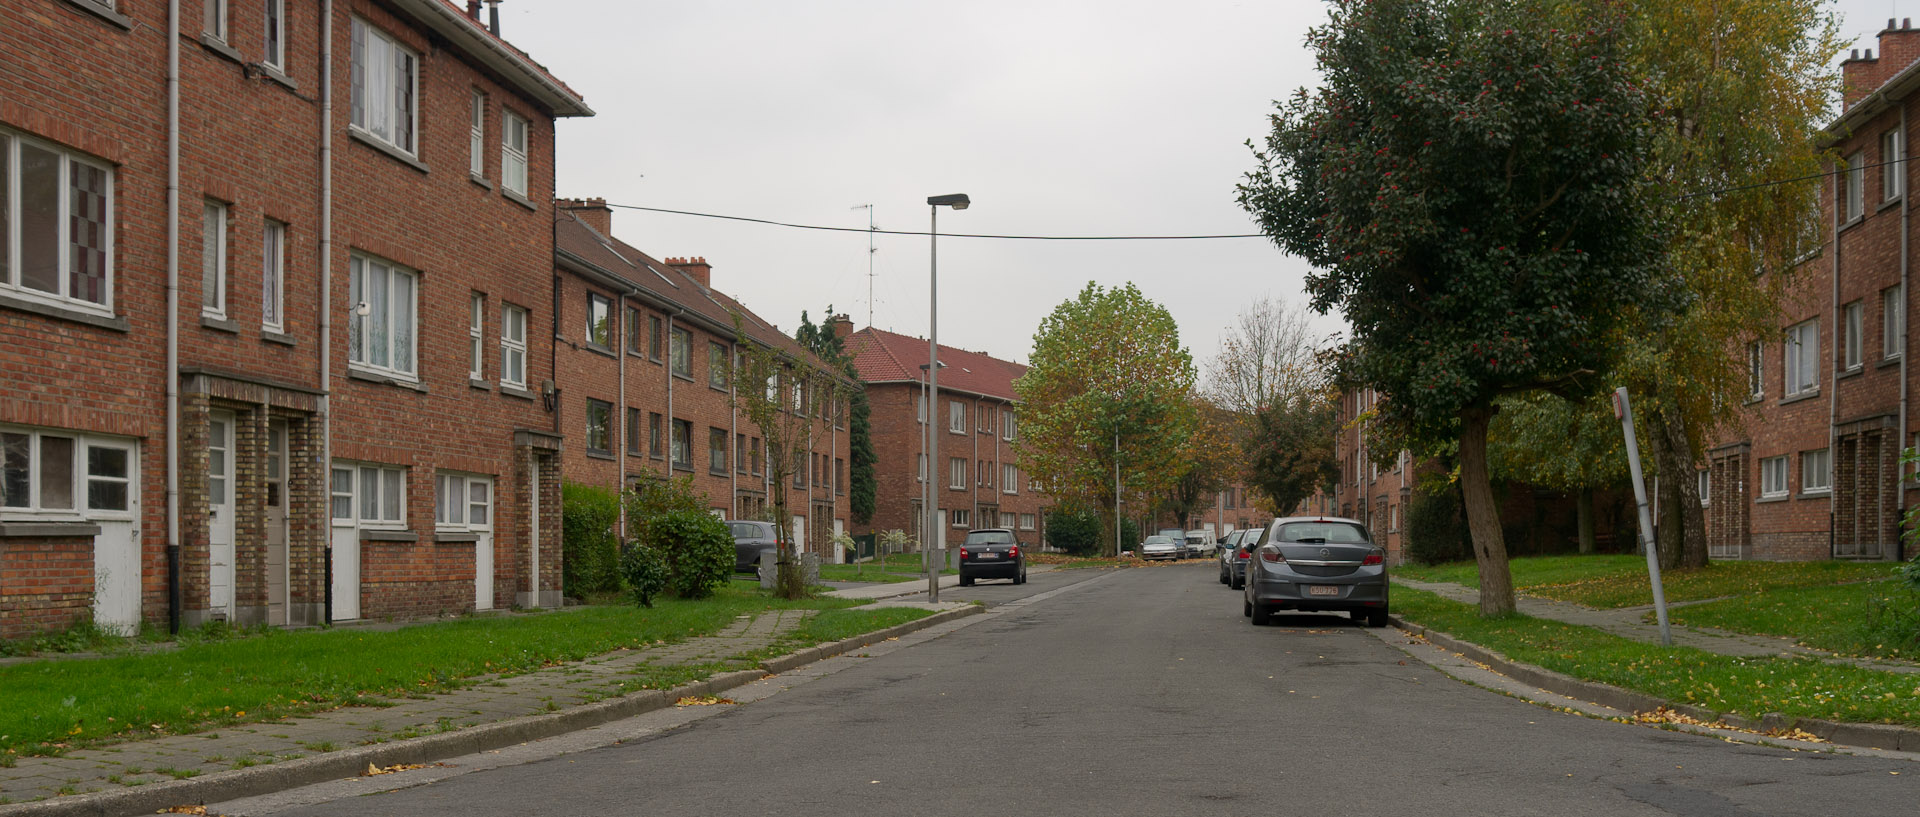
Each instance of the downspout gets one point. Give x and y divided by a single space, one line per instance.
1833 376
326 283
733 435
677 312
1899 443
620 451
175 595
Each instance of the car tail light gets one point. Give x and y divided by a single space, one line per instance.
963 553
1270 555
1374 559
1243 554
1013 552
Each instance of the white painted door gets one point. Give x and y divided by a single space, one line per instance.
479 510
839 530
220 513
533 530
346 544
113 503
277 523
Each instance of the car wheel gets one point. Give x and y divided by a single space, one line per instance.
1246 607
1262 614
1237 583
1377 618
966 581
1022 578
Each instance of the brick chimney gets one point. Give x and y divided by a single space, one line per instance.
594 212
1863 74
696 268
842 326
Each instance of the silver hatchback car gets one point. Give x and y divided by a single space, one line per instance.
1317 563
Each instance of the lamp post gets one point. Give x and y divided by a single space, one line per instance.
936 557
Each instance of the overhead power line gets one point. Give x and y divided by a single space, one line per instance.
942 235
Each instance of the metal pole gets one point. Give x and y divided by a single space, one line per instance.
1116 491
935 556
1623 410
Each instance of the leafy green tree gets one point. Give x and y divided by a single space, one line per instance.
1290 452
1543 440
1108 386
788 397
862 488
1469 183
1074 530
1211 463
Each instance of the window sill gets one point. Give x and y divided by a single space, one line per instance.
720 389
103 13
392 152
1889 203
277 77
1766 499
219 324
602 350
519 199
222 49
477 383
598 454
270 336
686 377
388 535
716 472
453 537
387 380
480 180
687 468
1819 493
1752 399
1855 371
1851 223
1805 395
515 391
115 323
48 530
1888 362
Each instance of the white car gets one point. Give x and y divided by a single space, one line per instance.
1160 547
1200 543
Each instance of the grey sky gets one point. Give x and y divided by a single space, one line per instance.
1058 117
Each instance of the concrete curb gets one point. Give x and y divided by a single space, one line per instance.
1864 735
258 780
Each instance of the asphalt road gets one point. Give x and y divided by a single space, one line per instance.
1145 692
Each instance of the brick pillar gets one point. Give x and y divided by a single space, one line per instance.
309 523
250 516
195 596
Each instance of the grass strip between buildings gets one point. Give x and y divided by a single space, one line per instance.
1747 686
1620 580
47 706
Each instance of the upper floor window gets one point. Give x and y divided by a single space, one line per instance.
1854 183
633 331
55 225
476 327
273 49
1893 167
273 275
682 352
683 443
1006 424
957 417
1010 478
213 19
385 85
1852 318
477 136
382 340
716 365
599 320
920 406
213 259
513 152
1893 320
1801 355
1755 358
653 337
513 346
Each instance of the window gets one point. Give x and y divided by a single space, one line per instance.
63 473
1755 354
599 321
1893 321
1893 168
1853 183
513 152
753 450
462 502
1773 476
1026 521
1706 486
839 476
653 434
381 340
799 469
385 83
599 426
1816 470
1009 478
273 49
717 450
213 19
985 470
957 473
653 337
920 407
513 346
1850 316
1006 425
213 259
682 444
923 467
477 137
476 310
1008 520
382 496
682 352
1801 355
633 431
341 493
633 331
717 366
961 518
55 225
740 454
273 275
957 417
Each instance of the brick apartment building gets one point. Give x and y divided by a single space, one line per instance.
979 481
354 425
1366 491
1815 474
644 347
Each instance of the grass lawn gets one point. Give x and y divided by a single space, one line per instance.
45 705
862 573
1620 580
1875 619
1747 686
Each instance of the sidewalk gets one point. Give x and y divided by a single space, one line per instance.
145 775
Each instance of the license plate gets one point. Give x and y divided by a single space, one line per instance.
1323 590
989 555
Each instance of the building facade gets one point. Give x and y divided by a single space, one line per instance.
645 347
317 427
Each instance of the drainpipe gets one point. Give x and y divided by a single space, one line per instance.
1899 443
733 437
1833 378
620 451
677 312
326 285
175 596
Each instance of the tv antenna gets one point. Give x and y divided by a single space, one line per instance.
870 252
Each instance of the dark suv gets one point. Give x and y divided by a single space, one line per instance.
749 539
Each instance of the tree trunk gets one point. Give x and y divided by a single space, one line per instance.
1683 526
1483 515
1583 508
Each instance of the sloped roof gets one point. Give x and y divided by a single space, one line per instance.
449 18
889 357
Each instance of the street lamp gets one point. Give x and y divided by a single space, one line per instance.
936 556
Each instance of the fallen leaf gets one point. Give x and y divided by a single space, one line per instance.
397 767
183 810
702 700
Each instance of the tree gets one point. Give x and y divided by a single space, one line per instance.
1211 462
1543 440
1269 351
1108 387
1469 183
1289 455
862 493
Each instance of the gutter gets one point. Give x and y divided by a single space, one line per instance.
1833 376
1906 297
495 54
326 283
175 593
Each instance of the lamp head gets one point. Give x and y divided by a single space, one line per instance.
362 309
957 201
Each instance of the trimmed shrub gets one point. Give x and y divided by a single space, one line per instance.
1075 533
590 558
697 548
645 572
1436 528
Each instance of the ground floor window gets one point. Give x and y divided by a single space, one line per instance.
56 472
373 495
462 502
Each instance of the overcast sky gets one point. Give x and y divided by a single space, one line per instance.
1058 118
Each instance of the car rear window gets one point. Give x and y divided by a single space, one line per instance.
1325 533
989 537
746 530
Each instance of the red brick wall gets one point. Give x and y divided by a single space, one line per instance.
45 584
897 441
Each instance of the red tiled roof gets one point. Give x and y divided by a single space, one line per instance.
573 104
886 357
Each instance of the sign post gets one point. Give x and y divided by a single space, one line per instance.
1623 411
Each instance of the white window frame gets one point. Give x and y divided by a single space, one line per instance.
960 518
1006 425
455 502
80 477
1026 521
391 505
1773 477
375 110
12 227
600 332
1892 165
680 352
1800 359
394 304
1009 520
477 136
956 417
339 498
273 275
214 218
1893 320
605 430
514 138
1816 472
1756 372
1706 486
513 346
476 327
1009 478
680 444
273 43
213 19
1853 322
923 467
957 473
1856 184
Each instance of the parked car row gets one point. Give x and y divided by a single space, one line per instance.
1307 563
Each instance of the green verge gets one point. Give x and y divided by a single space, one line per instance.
1620 580
862 573
48 706
1875 619
1747 686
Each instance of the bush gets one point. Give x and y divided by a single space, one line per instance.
1436 529
645 572
1075 533
697 549
590 553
